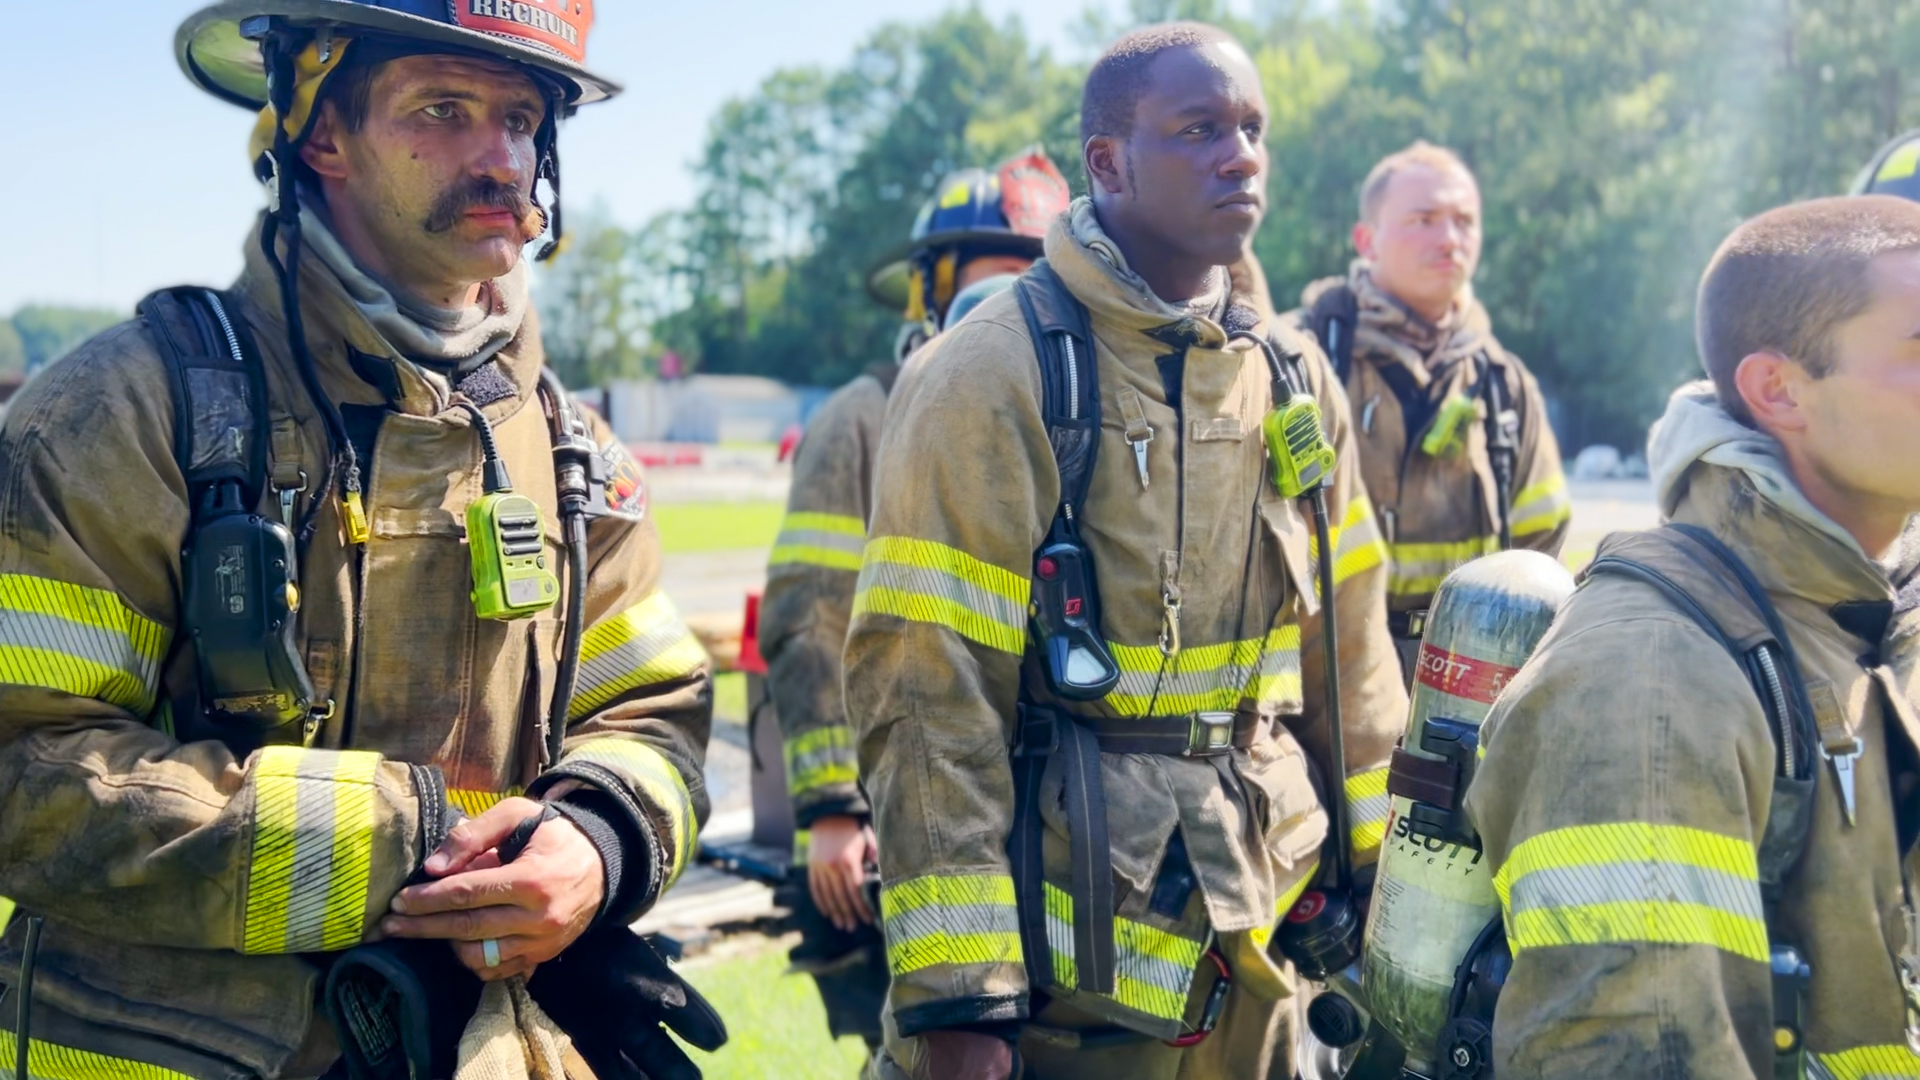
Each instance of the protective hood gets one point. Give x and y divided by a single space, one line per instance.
1695 429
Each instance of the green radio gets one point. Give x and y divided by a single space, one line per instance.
507 543
1302 458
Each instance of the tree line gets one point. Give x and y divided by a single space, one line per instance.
1616 142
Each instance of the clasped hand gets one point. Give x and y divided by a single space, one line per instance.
532 908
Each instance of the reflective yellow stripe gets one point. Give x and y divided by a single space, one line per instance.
1367 805
80 641
1153 969
1418 569
313 823
1263 934
1357 545
51 1061
922 581
1208 677
950 919
802 844
659 785
1633 882
645 644
819 758
834 541
1885 1062
475 803
1541 507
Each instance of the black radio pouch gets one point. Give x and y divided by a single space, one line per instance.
240 568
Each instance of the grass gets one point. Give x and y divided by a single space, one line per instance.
719 526
775 1024
730 697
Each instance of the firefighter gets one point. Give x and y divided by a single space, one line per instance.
1092 810
977 227
1453 433
1895 170
1698 795
354 446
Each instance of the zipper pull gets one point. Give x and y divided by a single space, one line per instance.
1139 432
358 531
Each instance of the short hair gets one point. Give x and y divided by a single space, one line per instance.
1418 154
1784 281
1119 77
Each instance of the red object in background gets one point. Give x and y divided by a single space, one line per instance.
655 455
789 442
670 366
750 659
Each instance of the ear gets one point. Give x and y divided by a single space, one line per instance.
1102 156
1363 239
1771 386
321 151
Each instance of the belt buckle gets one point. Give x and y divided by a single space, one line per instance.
1416 622
1209 733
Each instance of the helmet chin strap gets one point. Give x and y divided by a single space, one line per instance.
275 169
546 142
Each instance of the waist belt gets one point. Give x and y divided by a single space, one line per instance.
1407 624
1079 741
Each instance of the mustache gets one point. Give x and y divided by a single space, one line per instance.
484 191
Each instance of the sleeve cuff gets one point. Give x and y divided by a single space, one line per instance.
625 845
986 1013
853 806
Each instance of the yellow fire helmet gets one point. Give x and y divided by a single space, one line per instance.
1895 170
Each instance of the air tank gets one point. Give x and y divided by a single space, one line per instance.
1435 892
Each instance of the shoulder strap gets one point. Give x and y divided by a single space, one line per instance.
1692 568
1069 378
219 391
1332 319
1503 438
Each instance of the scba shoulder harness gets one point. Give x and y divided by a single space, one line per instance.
1692 568
1332 320
241 569
1077 663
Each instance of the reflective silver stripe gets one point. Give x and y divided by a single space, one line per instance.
1637 882
926 581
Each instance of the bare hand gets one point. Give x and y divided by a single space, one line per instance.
967 1055
532 908
837 850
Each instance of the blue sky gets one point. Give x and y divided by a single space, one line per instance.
124 178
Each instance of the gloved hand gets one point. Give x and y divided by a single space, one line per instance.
612 993
399 1008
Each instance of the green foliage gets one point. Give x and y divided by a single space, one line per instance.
1616 142
13 353
46 332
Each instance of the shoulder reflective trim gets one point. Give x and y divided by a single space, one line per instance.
1542 507
1367 806
1357 546
1885 1062
1633 882
950 919
475 803
80 641
1208 677
1418 569
1153 969
922 581
314 815
834 541
802 844
645 644
50 1061
659 786
820 758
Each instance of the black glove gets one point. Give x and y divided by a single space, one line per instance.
612 993
400 1007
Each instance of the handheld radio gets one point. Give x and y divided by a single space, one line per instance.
506 541
1297 446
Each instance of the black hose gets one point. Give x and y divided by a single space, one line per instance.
23 999
493 470
574 525
1336 737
